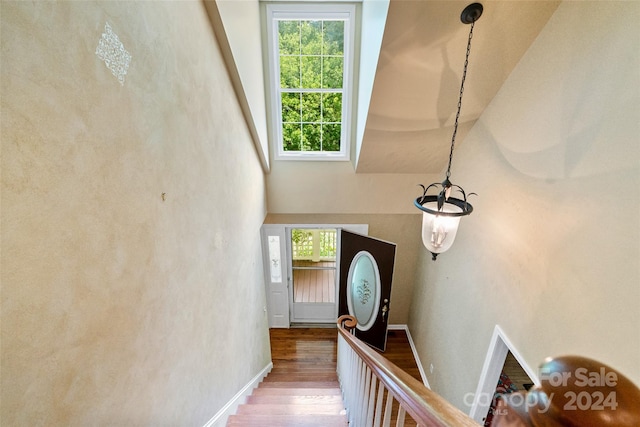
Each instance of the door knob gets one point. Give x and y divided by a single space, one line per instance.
385 309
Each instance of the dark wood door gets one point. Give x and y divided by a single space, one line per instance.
366 273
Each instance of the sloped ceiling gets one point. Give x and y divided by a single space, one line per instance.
417 82
415 90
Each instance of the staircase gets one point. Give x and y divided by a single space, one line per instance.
293 399
302 388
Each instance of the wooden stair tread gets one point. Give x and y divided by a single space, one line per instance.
288 420
301 377
303 369
291 409
296 391
299 384
309 374
295 399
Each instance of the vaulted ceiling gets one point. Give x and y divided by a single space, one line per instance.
417 82
415 90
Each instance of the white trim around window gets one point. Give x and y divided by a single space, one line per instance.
344 12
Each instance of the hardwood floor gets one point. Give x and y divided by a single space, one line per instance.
399 352
313 347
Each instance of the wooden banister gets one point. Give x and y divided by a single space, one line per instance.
573 392
423 405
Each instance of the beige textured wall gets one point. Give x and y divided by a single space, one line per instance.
237 27
552 250
334 187
119 308
403 230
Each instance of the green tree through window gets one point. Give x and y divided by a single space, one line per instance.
303 243
311 58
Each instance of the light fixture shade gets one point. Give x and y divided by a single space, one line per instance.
439 226
439 231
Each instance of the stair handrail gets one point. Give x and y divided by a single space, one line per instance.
426 407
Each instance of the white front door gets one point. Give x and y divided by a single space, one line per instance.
312 266
301 272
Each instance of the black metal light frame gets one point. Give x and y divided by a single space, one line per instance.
469 15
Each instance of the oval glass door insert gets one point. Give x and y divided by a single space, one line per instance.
363 290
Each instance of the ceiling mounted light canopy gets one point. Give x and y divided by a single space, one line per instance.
441 213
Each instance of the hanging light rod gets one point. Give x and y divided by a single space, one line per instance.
441 213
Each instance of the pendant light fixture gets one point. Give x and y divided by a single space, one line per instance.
441 213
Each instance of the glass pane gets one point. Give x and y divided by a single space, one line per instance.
291 107
332 72
311 72
332 108
311 37
290 72
291 137
289 37
313 245
311 137
333 38
301 244
364 288
328 245
311 55
439 232
311 107
331 137
314 265
274 259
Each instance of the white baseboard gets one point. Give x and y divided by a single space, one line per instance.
405 328
220 419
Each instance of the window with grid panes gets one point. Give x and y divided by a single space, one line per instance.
310 58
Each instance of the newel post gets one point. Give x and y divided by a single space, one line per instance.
574 391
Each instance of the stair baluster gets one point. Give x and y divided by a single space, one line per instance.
367 380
